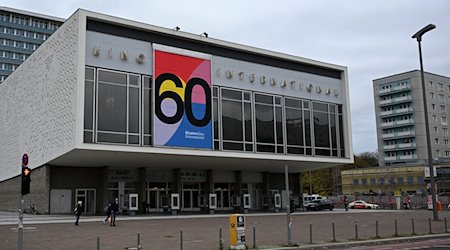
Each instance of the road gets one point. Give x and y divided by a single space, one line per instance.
201 232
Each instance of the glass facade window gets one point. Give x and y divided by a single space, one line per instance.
295 126
420 180
114 107
216 115
146 110
325 129
364 181
118 110
269 128
410 179
89 100
236 120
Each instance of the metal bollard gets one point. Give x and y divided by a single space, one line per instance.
334 232
310 233
445 224
356 230
254 237
429 225
220 239
376 230
138 240
413 228
396 228
98 242
181 239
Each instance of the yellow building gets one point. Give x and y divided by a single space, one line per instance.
384 180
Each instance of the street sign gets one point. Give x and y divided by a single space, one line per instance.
24 160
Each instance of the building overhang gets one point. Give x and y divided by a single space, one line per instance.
161 158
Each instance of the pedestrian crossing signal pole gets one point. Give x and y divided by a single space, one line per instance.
24 189
288 208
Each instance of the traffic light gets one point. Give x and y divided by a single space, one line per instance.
26 179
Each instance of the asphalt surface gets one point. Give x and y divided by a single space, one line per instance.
352 229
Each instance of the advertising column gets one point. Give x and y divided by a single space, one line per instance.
237 231
182 90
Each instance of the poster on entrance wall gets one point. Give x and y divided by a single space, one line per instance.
182 97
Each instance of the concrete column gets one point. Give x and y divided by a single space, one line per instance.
300 182
103 190
142 183
209 185
176 185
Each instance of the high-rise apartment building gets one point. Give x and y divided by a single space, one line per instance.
21 33
400 117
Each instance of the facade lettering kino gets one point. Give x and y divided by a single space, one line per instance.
252 78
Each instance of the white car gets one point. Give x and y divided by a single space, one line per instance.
363 205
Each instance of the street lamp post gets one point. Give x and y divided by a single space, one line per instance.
418 36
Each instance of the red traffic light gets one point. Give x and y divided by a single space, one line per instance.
26 179
26 171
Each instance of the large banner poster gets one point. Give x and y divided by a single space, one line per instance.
182 101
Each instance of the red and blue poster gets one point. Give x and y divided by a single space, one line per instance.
182 94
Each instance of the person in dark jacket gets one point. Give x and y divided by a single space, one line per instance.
114 210
78 211
346 203
108 212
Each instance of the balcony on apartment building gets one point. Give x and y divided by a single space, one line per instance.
400 158
409 133
394 89
396 112
400 146
396 100
397 123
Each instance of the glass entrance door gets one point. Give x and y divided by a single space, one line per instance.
191 196
224 193
157 200
223 199
87 196
157 196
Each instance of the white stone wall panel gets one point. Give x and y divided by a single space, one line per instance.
38 103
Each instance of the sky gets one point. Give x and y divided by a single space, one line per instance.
371 38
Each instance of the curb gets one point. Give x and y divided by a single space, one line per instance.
349 244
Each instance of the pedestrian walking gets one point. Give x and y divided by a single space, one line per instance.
114 210
346 203
78 211
108 212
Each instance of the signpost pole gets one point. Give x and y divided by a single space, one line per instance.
288 202
23 167
20 242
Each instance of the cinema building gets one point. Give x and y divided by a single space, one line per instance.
165 120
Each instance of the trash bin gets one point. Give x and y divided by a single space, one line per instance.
237 231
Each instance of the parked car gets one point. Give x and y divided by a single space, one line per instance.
317 205
363 205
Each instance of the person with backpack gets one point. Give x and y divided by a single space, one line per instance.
107 212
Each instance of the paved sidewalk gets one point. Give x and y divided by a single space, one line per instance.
201 232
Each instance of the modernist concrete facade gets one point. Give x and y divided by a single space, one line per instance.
162 119
400 118
21 33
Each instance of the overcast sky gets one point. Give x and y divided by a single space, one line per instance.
371 38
